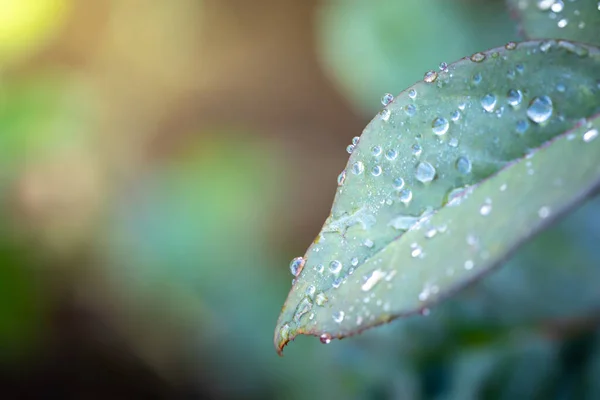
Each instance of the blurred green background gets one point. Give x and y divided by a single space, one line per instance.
162 162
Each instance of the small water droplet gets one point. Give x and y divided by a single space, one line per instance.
416 150
546 45
372 279
325 338
521 126
335 267
453 142
412 93
338 317
463 165
425 172
562 23
341 178
355 140
476 79
510 46
385 114
350 148
319 268
415 250
469 264
391 154
440 126
561 87
520 68
431 233
310 291
443 66
376 170
406 196
544 212
455 115
488 102
514 97
410 110
485 209
590 135
540 109
545 5
354 261
478 57
297 265
368 243
358 168
398 183
321 299
430 76
376 151
387 99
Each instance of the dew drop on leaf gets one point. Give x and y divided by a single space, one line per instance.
540 109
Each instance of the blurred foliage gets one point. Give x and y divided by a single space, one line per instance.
151 158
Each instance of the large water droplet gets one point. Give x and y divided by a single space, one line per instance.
387 99
440 126
540 109
296 265
430 76
406 196
590 135
358 168
463 165
488 102
425 172
338 317
335 267
391 154
514 97
325 338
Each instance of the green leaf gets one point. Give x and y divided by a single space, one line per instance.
391 246
564 19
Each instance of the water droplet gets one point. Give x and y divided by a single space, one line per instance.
372 279
590 135
284 332
335 267
355 140
561 87
453 142
406 196
463 165
319 268
341 178
521 126
514 97
416 150
455 115
412 93
478 57
488 102
443 66
430 76
296 265
476 79
304 307
415 250
469 264
376 170
385 114
350 148
336 283
562 23
310 291
510 46
485 209
338 317
544 212
547 45
358 168
540 109
425 172
321 299
387 99
391 154
520 68
431 233
368 243
398 183
376 151
354 261
440 126
410 110
545 5
325 338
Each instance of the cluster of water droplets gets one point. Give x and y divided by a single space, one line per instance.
564 14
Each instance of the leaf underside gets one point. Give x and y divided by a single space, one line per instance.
446 181
572 20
